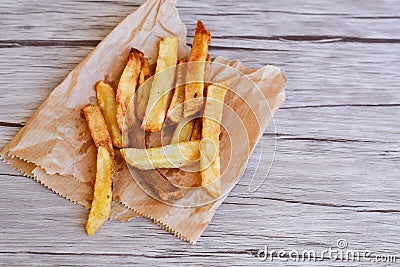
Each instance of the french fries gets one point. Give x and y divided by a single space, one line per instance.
102 198
170 156
143 92
106 101
209 146
207 74
161 88
175 104
158 183
196 71
196 131
210 177
127 87
101 204
98 127
175 110
183 131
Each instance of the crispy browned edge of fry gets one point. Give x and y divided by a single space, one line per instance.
142 95
175 110
135 57
207 73
197 128
145 72
98 127
112 123
194 90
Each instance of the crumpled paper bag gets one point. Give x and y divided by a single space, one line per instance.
55 147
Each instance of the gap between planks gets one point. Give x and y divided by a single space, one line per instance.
295 38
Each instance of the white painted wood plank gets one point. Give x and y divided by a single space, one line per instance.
29 75
319 74
51 225
91 20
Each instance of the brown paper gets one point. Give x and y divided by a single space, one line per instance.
55 147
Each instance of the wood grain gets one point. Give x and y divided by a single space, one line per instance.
347 77
335 172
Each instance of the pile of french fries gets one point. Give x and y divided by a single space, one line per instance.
174 97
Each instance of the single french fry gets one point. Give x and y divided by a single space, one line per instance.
196 71
196 131
183 131
98 127
175 110
212 185
127 87
106 101
145 73
161 89
209 145
169 156
143 92
102 196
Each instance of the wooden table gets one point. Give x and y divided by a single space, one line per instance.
336 171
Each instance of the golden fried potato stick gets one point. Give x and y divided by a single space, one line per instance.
127 87
183 131
106 101
213 170
169 156
143 92
161 89
209 146
196 131
98 127
102 196
175 110
196 71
